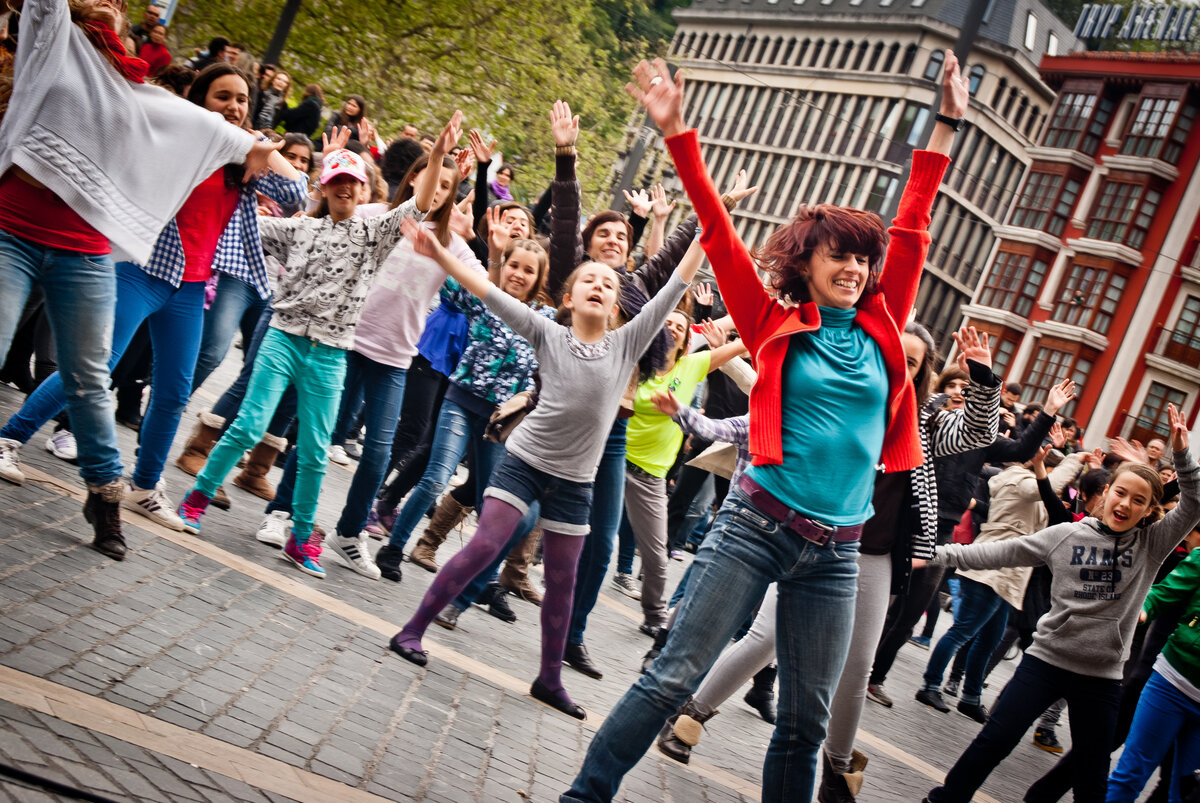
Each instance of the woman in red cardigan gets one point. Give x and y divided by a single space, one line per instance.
833 400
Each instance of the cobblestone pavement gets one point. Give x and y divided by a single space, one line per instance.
207 669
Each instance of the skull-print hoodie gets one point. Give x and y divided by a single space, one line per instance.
1100 578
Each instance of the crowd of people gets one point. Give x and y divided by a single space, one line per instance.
399 307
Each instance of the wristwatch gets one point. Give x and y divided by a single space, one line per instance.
957 123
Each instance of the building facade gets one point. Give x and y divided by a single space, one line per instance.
1096 273
822 101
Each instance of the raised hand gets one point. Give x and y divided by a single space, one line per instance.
715 335
366 132
973 346
460 218
1094 458
1057 437
955 88
1058 396
498 233
662 96
739 191
702 292
450 134
658 203
665 402
563 124
1179 432
1038 462
465 161
482 151
639 202
341 135
1129 451
258 158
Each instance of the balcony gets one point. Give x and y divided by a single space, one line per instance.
1176 353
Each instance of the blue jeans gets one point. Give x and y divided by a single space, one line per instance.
1165 718
626 545
744 552
457 430
381 387
981 615
608 500
318 372
230 403
236 305
173 316
80 292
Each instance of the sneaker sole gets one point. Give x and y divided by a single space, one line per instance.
1058 751
352 565
302 567
15 479
177 524
278 543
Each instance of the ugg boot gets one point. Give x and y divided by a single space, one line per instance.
841 787
447 516
515 575
682 731
204 438
761 696
221 499
254 476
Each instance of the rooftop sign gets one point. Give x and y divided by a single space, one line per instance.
1163 23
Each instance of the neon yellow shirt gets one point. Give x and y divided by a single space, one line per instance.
653 439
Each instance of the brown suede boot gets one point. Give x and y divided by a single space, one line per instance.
254 476
204 438
220 499
447 516
841 787
515 576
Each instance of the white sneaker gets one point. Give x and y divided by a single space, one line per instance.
353 554
275 528
337 454
153 504
10 466
62 445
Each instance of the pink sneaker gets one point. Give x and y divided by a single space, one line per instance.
379 525
191 509
306 554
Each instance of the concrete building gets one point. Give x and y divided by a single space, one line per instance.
824 100
1096 273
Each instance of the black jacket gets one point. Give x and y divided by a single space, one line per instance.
303 118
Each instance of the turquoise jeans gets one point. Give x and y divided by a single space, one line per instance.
318 373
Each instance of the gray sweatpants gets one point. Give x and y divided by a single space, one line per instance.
646 506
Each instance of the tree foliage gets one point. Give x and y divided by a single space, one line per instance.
503 63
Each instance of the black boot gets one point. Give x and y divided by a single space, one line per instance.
761 696
388 559
682 731
103 511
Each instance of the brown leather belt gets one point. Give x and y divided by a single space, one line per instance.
801 525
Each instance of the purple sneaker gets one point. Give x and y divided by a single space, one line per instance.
383 522
373 526
306 554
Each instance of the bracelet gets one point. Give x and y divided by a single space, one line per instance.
564 150
729 202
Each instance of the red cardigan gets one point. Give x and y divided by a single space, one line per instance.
766 324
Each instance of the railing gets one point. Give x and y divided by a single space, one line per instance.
1179 346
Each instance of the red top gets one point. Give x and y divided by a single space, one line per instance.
201 219
767 325
156 55
38 215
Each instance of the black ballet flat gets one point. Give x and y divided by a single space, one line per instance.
539 692
418 657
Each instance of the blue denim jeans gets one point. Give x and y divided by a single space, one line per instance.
230 403
457 430
80 292
744 552
981 615
236 305
608 500
381 387
173 317
318 372
626 545
1166 719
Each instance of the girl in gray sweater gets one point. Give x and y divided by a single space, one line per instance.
1102 568
554 451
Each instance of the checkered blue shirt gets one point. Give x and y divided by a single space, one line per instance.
239 251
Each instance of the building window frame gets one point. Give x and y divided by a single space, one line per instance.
1047 199
1090 293
1081 115
1124 209
1015 279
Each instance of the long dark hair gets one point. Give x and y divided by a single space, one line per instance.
923 381
441 215
342 117
198 93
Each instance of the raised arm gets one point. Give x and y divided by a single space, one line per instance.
976 425
1008 450
1166 533
427 184
483 160
566 243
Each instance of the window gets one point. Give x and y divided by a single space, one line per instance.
910 55
1123 212
1089 297
1002 356
1046 202
1014 281
1152 419
1055 361
1030 30
934 68
1160 125
976 78
1079 118
1052 45
1184 342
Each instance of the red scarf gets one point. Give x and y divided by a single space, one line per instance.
111 47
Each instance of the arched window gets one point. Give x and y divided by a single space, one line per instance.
998 98
818 48
934 68
975 78
1010 102
893 51
861 55
875 54
791 48
910 55
846 52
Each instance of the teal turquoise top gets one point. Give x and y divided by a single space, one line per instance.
834 415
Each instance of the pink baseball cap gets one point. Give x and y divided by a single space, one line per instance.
343 161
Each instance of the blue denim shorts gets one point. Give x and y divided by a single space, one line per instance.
566 505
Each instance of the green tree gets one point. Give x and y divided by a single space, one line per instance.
502 62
